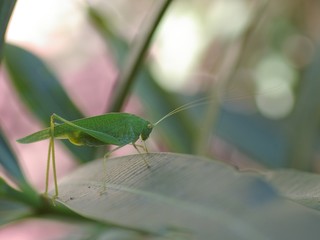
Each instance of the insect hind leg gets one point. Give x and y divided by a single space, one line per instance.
105 158
145 149
51 159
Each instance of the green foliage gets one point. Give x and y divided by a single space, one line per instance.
136 56
12 211
6 8
36 85
180 196
9 161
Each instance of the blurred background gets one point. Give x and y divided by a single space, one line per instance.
258 62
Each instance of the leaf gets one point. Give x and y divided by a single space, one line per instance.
302 144
118 47
41 91
278 143
178 131
12 204
6 8
187 195
9 161
37 84
298 186
100 232
10 164
133 59
11 211
262 139
27 195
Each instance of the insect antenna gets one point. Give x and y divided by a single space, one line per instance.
192 104
205 100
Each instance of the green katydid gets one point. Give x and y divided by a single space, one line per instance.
118 129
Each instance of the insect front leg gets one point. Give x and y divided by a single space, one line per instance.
145 146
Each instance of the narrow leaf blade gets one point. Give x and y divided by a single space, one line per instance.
6 9
41 91
9 161
11 208
12 211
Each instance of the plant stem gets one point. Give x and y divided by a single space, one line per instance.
136 57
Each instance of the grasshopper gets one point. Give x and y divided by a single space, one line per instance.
117 129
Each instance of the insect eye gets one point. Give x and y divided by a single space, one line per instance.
150 126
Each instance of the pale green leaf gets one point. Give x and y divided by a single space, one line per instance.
298 186
187 195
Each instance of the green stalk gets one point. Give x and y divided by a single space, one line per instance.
136 57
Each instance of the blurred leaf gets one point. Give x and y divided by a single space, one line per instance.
37 85
178 130
118 47
6 8
306 118
101 233
12 204
27 195
10 164
16 205
188 195
258 137
297 186
11 211
135 58
9 161
41 92
120 235
278 143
